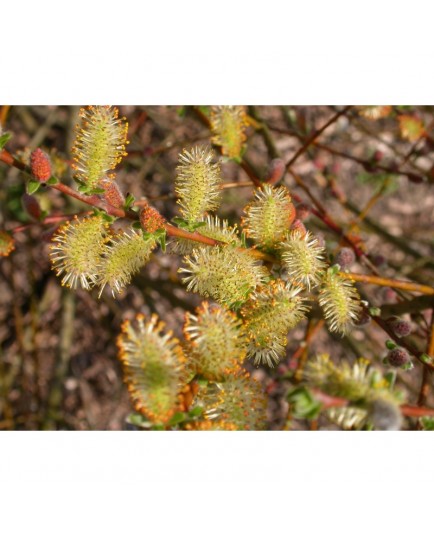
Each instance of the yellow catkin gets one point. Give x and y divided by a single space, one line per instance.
153 367
99 144
228 125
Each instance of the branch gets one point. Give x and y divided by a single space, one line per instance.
97 202
314 136
386 282
407 410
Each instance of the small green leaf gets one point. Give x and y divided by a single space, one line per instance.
196 225
391 345
427 423
195 412
52 180
96 191
136 419
4 138
390 378
180 222
85 189
177 418
32 187
129 201
160 237
333 270
374 311
425 358
158 427
106 217
304 405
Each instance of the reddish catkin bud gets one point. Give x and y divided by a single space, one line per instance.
345 257
151 220
298 225
40 165
400 327
31 206
275 172
378 156
112 193
303 211
398 357
379 260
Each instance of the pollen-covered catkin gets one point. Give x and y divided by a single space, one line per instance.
303 258
268 316
198 183
238 403
224 273
75 251
228 125
122 257
99 145
153 367
216 340
269 216
340 302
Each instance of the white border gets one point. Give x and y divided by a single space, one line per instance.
189 483
192 52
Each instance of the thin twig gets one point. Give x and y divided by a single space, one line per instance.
387 282
314 136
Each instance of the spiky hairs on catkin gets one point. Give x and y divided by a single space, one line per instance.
224 273
360 385
217 341
99 145
303 258
153 367
122 257
238 403
269 217
228 125
76 249
268 316
340 302
198 183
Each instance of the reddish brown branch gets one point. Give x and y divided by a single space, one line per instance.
387 282
407 410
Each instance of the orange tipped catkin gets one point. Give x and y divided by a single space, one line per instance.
40 165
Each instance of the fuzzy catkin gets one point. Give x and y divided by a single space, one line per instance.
303 258
153 367
223 273
122 257
340 302
99 145
216 339
228 125
76 249
198 183
268 316
269 216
